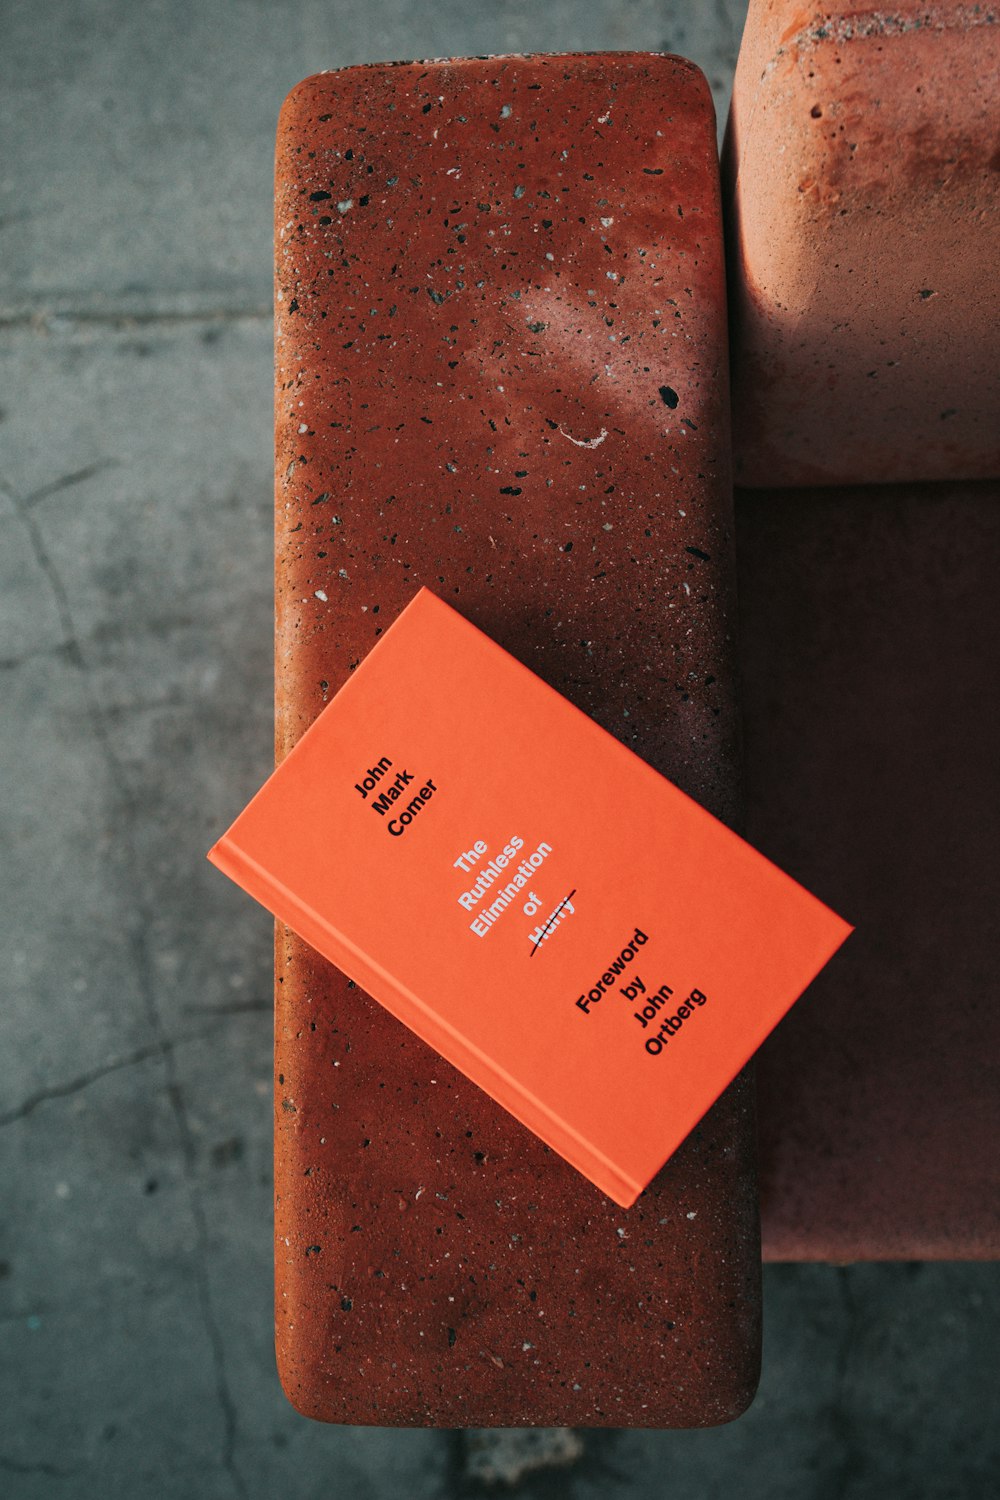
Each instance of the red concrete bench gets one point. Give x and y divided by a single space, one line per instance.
501 361
863 200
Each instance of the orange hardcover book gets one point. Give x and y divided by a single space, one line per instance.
581 938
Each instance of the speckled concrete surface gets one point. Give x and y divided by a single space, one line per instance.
485 274
135 603
864 213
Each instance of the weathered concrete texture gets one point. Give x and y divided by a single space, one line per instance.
873 1385
507 1456
144 136
864 213
103 1268
162 634
870 640
501 372
106 1239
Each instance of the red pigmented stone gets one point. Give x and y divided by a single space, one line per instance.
501 372
863 196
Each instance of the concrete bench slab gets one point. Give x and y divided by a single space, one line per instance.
501 372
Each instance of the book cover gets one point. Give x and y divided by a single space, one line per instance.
567 927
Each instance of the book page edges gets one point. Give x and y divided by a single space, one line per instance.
438 1033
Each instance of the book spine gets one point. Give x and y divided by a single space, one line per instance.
320 934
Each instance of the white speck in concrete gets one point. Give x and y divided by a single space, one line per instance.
585 442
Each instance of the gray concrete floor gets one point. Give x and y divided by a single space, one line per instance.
135 620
